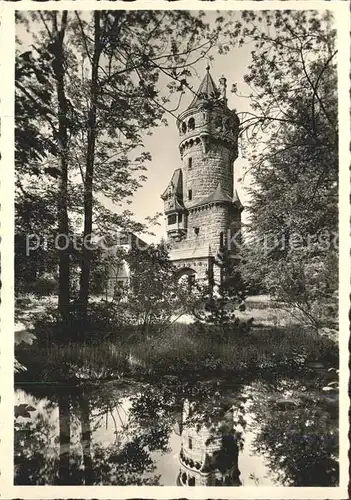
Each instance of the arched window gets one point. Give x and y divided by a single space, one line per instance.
183 127
190 162
184 478
191 123
191 481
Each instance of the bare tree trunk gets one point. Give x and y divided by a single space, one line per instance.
89 173
86 438
65 439
62 213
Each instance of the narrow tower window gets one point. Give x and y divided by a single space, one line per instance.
221 239
191 123
190 444
190 162
190 194
183 127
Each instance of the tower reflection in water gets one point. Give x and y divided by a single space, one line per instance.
209 450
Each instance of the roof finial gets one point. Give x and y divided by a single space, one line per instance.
208 66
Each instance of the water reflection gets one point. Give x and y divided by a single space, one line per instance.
201 434
298 434
209 450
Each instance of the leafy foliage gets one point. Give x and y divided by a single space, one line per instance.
298 436
154 294
292 130
219 300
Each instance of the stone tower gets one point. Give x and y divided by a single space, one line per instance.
202 207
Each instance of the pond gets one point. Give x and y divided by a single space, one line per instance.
216 432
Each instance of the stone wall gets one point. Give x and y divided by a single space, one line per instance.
211 221
207 170
200 266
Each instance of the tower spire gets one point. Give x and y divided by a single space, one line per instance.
206 90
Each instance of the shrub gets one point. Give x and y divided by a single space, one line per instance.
220 333
195 349
45 285
103 320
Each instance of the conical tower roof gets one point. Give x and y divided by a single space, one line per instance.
207 90
237 202
218 195
177 184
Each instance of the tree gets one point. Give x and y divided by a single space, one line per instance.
34 205
124 94
109 68
292 130
35 220
57 48
34 77
154 295
222 297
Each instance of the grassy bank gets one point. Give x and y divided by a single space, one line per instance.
181 350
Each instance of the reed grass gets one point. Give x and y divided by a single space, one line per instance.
180 350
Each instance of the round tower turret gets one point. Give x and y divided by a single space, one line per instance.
201 202
208 132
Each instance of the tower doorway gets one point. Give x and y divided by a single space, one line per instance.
187 275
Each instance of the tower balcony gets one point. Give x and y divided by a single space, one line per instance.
177 232
220 122
221 126
176 225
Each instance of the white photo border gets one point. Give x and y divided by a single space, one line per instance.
341 12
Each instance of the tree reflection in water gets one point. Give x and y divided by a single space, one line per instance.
32 436
298 434
298 439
